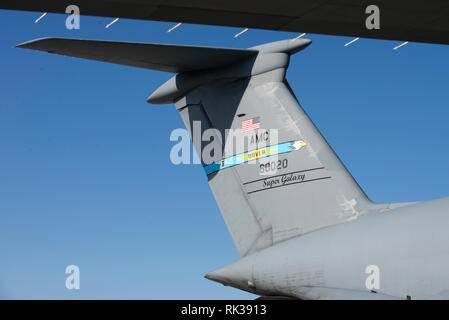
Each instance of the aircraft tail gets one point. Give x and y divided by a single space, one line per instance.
284 180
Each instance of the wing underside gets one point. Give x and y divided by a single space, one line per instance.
407 20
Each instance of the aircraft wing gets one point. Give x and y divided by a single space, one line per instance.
407 20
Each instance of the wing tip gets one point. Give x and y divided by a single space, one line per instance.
30 44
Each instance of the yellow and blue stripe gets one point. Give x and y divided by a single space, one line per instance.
253 155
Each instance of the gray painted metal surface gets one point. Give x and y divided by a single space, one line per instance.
162 57
409 245
305 229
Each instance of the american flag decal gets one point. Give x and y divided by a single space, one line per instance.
251 124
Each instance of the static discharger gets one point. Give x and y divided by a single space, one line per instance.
401 45
171 29
38 19
241 32
110 24
300 36
352 41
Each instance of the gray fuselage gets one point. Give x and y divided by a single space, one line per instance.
409 245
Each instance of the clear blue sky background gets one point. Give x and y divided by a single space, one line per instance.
85 174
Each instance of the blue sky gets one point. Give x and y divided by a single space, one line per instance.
85 174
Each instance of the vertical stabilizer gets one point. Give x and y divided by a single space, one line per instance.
279 186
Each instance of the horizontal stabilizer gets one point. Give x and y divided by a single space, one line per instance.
162 57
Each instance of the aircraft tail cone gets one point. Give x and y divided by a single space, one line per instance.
237 274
